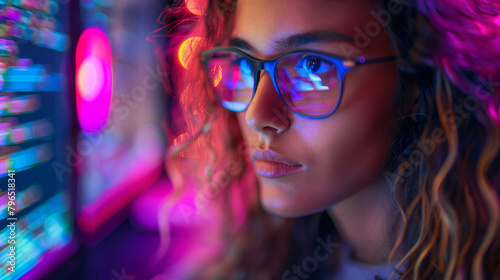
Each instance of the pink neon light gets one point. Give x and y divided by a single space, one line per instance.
94 79
92 217
494 113
90 78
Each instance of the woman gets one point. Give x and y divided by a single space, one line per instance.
361 137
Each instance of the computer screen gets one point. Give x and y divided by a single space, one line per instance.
36 224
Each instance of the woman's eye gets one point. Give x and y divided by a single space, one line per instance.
314 64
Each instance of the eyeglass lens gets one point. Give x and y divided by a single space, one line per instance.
308 83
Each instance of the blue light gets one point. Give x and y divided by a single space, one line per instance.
101 21
234 106
88 4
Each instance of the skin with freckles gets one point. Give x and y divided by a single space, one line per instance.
335 157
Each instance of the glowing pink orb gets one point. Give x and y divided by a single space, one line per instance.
89 78
94 79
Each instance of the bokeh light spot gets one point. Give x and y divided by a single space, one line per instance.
186 50
196 7
94 79
90 78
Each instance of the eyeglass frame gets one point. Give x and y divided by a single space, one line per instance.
343 66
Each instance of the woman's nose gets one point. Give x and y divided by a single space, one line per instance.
267 114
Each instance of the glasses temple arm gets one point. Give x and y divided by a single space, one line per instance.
364 61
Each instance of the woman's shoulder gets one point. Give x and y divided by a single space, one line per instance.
348 268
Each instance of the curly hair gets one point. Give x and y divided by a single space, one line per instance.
444 173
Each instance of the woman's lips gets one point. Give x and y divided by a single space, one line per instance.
272 165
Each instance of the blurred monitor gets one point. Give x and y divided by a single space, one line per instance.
81 110
119 100
36 116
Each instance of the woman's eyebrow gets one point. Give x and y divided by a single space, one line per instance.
240 44
324 36
296 40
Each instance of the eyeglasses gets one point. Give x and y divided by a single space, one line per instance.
309 83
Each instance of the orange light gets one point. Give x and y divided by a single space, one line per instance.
196 7
217 71
186 50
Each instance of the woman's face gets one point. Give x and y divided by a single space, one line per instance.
307 165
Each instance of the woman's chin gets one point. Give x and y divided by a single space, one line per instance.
286 208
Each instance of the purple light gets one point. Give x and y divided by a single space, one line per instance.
494 113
